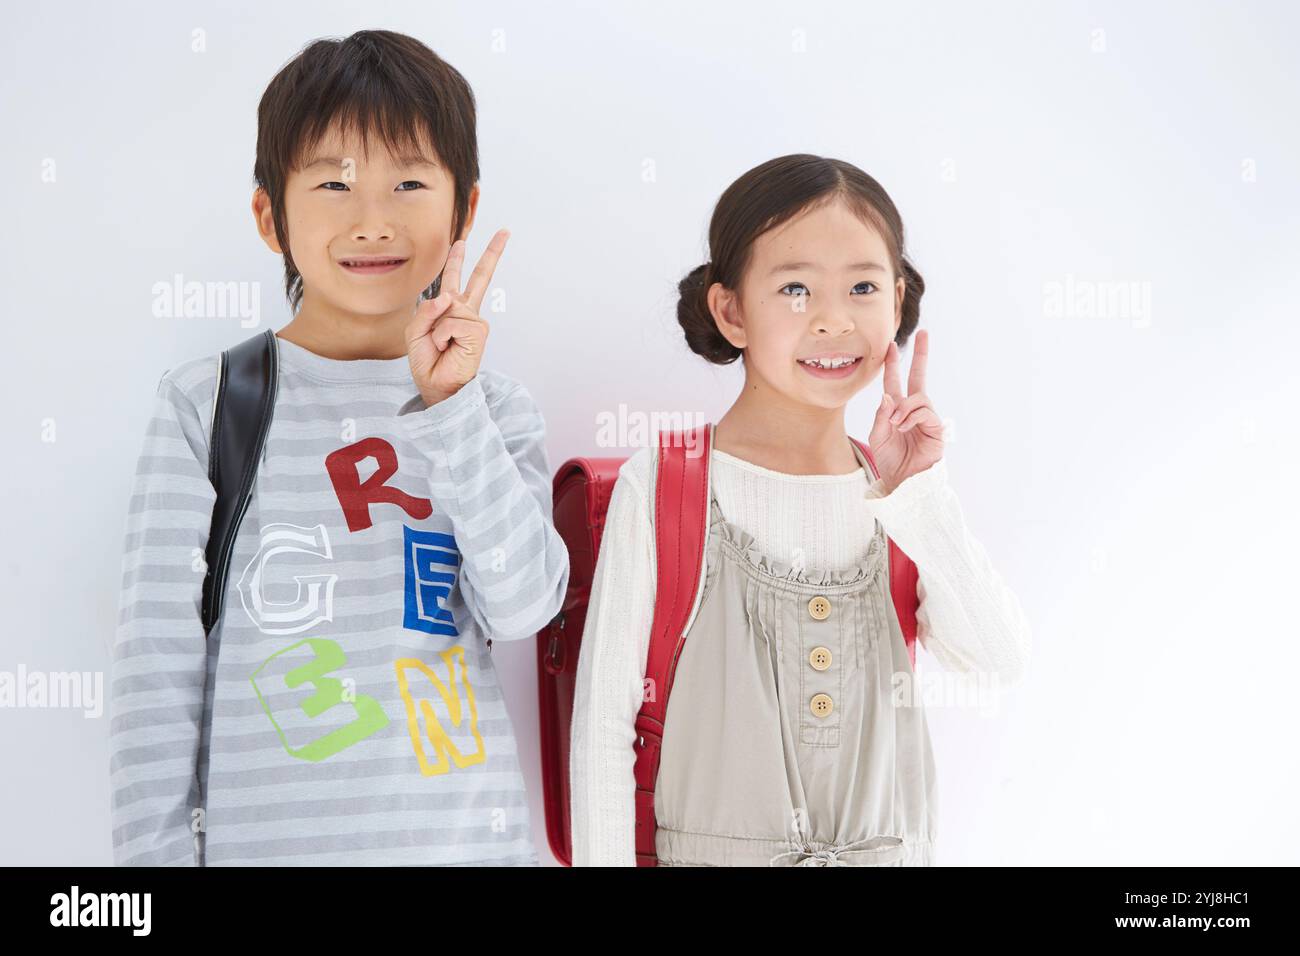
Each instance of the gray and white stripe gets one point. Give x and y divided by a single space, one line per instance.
188 726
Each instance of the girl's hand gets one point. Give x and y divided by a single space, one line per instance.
445 340
907 436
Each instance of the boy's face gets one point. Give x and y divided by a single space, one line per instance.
342 206
820 285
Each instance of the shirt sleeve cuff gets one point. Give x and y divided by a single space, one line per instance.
421 420
914 492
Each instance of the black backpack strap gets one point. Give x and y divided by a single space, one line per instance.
247 377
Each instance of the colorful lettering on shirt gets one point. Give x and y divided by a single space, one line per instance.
431 563
329 693
314 601
356 496
422 713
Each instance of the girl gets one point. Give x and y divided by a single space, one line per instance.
783 743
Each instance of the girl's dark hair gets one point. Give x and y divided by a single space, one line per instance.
764 198
375 81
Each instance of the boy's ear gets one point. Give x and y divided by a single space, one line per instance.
469 218
726 314
265 220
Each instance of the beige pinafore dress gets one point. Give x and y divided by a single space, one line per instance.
785 741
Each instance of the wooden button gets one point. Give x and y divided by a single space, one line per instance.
820 658
822 705
820 608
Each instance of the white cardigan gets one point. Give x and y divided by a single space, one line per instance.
968 618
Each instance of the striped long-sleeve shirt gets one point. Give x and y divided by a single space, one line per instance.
344 710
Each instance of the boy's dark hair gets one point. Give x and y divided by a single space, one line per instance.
375 81
762 199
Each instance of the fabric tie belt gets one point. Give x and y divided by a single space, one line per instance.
880 850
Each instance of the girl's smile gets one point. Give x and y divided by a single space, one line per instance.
831 365
817 288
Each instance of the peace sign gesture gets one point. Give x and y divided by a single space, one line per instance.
445 340
907 436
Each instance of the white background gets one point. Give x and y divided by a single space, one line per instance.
1132 476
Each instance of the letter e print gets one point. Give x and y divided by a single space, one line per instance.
431 565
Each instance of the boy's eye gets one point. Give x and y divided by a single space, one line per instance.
413 183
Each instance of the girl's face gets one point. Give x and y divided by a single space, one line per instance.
819 286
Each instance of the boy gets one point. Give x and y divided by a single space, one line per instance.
344 710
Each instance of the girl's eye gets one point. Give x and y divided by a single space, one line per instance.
411 182
800 285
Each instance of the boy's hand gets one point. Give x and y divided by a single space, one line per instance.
907 436
445 340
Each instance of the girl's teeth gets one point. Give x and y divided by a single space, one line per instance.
828 363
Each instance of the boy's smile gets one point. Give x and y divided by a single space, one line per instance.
353 216
372 265
369 229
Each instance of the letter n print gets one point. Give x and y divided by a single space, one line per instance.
453 700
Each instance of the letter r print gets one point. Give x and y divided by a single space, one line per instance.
356 496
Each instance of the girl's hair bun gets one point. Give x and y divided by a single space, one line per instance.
696 320
913 289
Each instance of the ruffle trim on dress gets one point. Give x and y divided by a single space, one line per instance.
748 548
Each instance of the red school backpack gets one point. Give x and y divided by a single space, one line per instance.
582 490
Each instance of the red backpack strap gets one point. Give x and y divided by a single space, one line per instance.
902 578
681 525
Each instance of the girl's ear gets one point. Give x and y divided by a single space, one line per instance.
725 309
900 292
